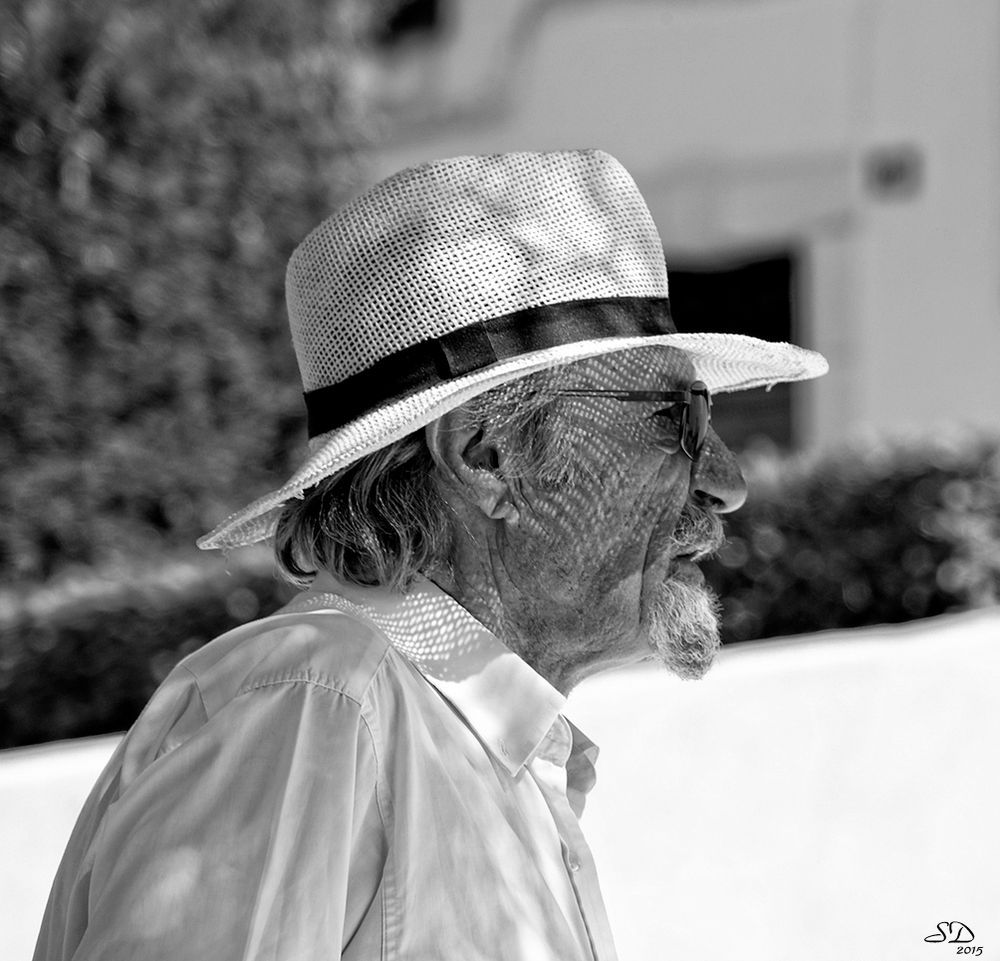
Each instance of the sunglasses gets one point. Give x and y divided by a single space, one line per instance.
695 415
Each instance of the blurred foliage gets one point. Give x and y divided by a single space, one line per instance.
871 534
879 532
81 655
158 162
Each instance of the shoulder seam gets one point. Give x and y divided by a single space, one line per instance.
320 681
312 680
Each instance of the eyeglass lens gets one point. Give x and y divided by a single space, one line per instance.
695 420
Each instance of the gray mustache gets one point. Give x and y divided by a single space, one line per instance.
697 532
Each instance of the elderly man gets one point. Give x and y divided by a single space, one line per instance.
511 478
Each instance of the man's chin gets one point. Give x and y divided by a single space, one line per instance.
682 620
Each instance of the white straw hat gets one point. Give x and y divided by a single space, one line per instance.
456 276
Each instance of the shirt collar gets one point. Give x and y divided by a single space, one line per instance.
505 702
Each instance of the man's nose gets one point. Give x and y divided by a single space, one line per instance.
717 482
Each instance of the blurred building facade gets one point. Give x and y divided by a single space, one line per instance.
825 171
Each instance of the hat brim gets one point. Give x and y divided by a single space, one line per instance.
725 362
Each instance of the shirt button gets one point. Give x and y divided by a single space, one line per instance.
572 863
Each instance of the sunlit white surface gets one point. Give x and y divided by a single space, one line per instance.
825 798
41 792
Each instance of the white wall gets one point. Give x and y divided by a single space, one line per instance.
42 790
928 271
828 798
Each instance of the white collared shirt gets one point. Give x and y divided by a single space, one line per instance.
366 775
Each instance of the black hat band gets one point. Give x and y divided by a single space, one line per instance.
480 345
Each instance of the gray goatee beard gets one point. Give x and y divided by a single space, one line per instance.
683 627
683 617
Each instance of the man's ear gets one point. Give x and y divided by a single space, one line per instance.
472 465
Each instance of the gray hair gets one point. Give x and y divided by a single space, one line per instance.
383 519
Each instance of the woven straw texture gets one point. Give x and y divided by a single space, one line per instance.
456 242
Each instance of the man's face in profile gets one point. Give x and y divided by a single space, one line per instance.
611 553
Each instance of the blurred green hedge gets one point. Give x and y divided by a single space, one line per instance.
158 163
875 533
81 656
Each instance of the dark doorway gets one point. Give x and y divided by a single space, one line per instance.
754 296
403 20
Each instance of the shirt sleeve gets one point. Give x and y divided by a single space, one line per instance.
258 837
